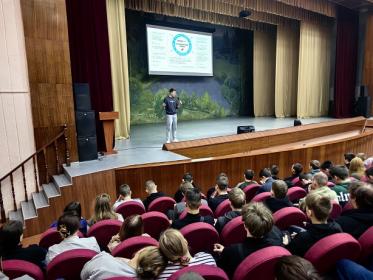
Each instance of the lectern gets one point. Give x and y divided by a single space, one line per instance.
108 119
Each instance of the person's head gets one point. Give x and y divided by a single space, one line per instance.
306 179
319 180
185 186
73 207
348 157
150 262
318 207
237 198
257 219
369 174
68 225
172 92
150 187
357 166
279 189
174 247
274 170
325 167
362 156
102 208
131 227
11 234
249 174
264 174
297 168
339 173
190 276
314 164
295 268
222 184
125 191
193 199
187 177
361 195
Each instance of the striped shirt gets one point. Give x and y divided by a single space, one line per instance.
199 258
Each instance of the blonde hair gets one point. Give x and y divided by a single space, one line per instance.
357 166
174 246
102 210
150 263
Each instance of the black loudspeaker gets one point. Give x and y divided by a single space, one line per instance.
82 97
245 129
297 122
362 107
85 123
87 148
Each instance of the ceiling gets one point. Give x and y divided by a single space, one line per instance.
358 5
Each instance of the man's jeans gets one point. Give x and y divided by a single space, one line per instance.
171 126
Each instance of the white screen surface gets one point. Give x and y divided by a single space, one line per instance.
179 52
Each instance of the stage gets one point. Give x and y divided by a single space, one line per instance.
145 144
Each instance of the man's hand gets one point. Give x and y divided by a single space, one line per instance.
218 248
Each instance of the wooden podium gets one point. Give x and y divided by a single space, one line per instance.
108 119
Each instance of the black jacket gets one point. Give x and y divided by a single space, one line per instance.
32 253
355 221
190 219
275 204
223 220
304 240
152 197
215 201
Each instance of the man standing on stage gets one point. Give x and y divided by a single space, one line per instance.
171 103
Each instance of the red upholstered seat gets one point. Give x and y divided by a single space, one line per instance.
348 206
261 197
233 232
128 247
162 204
204 210
250 191
260 264
336 210
289 216
104 231
17 268
208 272
51 237
296 193
296 182
69 264
325 253
201 237
222 208
366 243
121 278
129 208
155 223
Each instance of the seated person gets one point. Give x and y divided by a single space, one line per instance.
342 183
11 234
368 176
103 210
318 208
68 227
221 193
314 166
174 247
153 193
278 199
248 179
75 207
350 270
261 233
295 268
237 199
357 220
305 181
266 180
125 194
348 157
147 263
357 168
193 202
131 227
296 171
325 168
274 171
212 191
187 178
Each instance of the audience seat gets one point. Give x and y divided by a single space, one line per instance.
325 253
289 216
162 204
128 247
296 193
260 264
208 272
336 211
69 264
17 268
233 232
250 191
155 223
366 243
348 206
296 182
104 231
261 197
51 237
201 237
204 210
222 208
130 208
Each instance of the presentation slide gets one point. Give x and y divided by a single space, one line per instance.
179 52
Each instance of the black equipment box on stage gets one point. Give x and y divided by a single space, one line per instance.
245 129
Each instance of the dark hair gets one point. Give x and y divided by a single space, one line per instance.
124 190
339 171
315 164
188 177
369 172
297 168
184 186
10 236
67 225
193 198
295 268
73 207
275 170
280 189
190 276
363 195
265 173
249 174
131 227
171 90
320 205
305 176
349 156
326 165
222 183
257 219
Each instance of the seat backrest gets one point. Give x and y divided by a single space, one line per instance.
233 232
50 237
336 210
155 223
201 237
260 264
162 204
261 197
104 231
222 208
348 206
128 247
250 191
204 210
289 216
296 193
366 243
129 208
18 268
325 253
208 272
69 264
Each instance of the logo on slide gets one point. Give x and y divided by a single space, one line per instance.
181 44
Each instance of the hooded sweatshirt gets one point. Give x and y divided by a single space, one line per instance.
356 221
223 220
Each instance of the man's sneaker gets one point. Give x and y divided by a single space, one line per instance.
175 140
168 141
